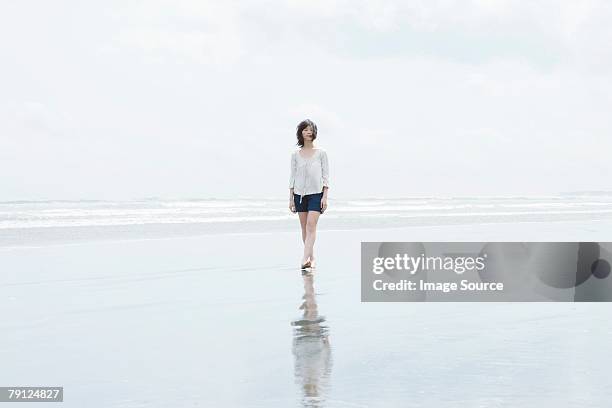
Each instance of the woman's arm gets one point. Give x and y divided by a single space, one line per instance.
291 183
325 169
325 174
291 202
292 174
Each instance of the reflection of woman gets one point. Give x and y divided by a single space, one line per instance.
311 349
308 185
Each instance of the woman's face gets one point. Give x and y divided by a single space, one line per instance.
307 133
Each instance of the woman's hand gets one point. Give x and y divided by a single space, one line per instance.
323 204
292 206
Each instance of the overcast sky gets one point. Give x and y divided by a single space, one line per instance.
179 99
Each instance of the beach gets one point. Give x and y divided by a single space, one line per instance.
228 319
152 154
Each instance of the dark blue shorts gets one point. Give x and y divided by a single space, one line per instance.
310 202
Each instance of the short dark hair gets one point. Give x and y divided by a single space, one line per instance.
303 125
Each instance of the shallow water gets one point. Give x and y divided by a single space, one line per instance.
216 321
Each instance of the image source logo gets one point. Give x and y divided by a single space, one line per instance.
485 271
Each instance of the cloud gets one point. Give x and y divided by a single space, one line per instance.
204 32
434 87
34 119
323 117
542 33
217 47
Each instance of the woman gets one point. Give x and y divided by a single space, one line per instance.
308 186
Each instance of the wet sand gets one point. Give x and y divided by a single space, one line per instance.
229 320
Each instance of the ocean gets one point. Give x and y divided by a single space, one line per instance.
48 222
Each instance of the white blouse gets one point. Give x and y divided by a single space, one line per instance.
309 176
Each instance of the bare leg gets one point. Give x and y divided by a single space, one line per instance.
303 216
311 234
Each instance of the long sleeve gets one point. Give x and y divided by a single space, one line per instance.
293 171
325 169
